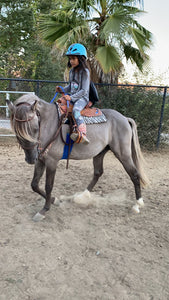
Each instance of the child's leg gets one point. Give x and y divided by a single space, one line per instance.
78 106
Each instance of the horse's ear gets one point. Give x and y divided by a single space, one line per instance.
11 106
34 105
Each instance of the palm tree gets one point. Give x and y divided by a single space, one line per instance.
109 30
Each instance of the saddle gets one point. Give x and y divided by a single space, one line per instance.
65 107
91 115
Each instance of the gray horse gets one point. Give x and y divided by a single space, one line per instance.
36 125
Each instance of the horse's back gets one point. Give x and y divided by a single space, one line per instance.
117 122
113 114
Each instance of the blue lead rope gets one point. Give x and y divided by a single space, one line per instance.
67 150
68 139
57 93
54 97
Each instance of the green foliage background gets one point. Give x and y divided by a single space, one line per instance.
22 53
143 104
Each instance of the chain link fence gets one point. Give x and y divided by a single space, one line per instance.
147 105
5 127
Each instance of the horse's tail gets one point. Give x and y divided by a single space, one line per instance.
137 154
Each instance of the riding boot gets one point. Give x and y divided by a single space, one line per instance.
79 136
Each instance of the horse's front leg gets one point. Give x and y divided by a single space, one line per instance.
38 172
50 176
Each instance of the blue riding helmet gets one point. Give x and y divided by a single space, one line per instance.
77 49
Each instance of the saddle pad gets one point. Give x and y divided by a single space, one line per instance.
91 115
91 112
95 120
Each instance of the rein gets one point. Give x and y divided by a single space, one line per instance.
42 151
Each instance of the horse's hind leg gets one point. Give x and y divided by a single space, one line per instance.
130 168
98 168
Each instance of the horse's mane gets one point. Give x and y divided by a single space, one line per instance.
23 129
28 98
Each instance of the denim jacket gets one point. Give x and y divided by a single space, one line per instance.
79 83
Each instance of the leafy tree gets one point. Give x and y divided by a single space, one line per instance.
17 26
109 29
22 53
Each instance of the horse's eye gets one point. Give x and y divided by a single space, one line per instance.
35 129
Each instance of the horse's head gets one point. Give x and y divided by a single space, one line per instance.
25 121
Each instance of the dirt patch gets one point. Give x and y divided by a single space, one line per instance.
99 252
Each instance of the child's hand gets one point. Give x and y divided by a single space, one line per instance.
67 97
58 89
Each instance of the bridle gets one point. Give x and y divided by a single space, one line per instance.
36 113
41 151
27 120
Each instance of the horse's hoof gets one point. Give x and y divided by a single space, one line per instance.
140 202
83 199
136 209
38 217
56 201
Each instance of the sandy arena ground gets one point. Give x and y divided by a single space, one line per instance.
101 251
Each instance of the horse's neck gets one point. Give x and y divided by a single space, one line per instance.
48 122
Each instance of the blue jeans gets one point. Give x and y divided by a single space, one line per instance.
77 107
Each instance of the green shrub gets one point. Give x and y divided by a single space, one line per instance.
140 103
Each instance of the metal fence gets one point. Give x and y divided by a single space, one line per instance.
5 128
147 105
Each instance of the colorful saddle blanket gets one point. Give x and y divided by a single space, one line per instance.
91 115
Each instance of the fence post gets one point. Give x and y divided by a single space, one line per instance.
7 110
161 117
37 88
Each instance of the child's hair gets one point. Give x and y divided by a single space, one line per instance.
82 63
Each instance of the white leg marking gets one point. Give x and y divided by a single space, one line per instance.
56 201
38 217
136 208
140 202
83 199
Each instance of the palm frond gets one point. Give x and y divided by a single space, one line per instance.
114 24
108 58
118 22
82 4
139 38
72 36
148 35
53 28
123 9
139 3
135 56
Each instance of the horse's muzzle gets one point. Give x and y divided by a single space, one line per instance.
30 162
31 157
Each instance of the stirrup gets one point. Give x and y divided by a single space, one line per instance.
79 137
84 139
74 136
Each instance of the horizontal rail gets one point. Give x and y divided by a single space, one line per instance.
7 122
16 92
